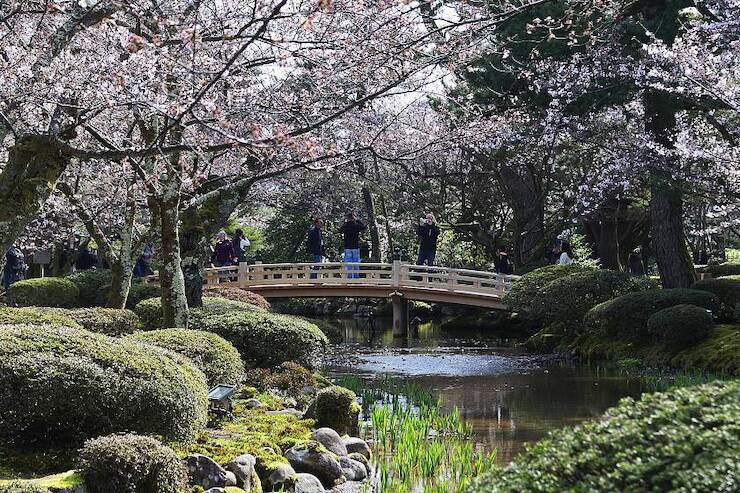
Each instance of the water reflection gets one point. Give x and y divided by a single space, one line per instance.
509 398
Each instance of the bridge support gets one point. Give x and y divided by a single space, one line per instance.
400 315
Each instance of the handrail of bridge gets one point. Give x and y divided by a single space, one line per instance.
337 274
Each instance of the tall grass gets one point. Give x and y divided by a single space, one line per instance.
658 379
418 447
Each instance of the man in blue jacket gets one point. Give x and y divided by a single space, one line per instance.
351 231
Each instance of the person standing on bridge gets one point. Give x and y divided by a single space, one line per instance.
223 252
428 232
315 243
351 230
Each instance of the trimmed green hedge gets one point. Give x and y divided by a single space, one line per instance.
728 292
628 315
335 407
150 310
63 385
238 294
721 270
215 356
34 315
131 464
140 291
266 339
683 440
568 298
22 487
45 291
94 285
524 295
680 326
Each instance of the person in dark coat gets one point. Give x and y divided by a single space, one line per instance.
223 252
502 263
428 233
86 259
351 230
637 267
315 243
240 244
15 267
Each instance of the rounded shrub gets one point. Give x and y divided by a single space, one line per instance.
150 311
628 314
215 356
682 440
139 291
63 385
721 270
94 285
727 291
109 321
680 326
524 295
131 464
37 316
568 298
337 408
266 339
22 487
45 291
238 294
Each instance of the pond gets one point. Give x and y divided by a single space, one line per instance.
508 397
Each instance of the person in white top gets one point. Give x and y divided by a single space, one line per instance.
241 244
566 257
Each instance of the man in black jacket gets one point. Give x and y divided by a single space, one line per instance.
351 231
428 232
315 243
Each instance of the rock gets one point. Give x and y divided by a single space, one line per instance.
205 472
291 411
353 470
361 458
252 403
314 459
243 469
306 483
354 444
330 439
216 490
278 477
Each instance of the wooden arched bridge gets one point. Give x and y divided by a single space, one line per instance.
398 281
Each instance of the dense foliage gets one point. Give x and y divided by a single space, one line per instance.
628 315
237 294
216 357
37 316
335 407
109 321
683 440
266 339
131 464
525 291
722 270
150 310
727 291
62 385
93 285
45 291
680 326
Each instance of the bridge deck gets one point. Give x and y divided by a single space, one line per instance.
366 280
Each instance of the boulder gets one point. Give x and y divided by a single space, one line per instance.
330 439
354 444
361 458
306 483
314 459
352 469
243 469
215 490
204 471
252 403
278 477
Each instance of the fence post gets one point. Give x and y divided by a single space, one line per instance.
258 271
396 276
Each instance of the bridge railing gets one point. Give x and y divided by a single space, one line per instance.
330 274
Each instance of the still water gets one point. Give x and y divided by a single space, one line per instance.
509 397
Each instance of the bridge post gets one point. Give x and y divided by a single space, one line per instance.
400 315
396 273
243 274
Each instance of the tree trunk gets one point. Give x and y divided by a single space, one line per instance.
528 208
122 273
35 163
608 240
172 280
666 198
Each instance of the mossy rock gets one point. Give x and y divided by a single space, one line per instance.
93 285
681 440
62 385
337 408
131 463
68 481
545 341
215 356
45 291
266 339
